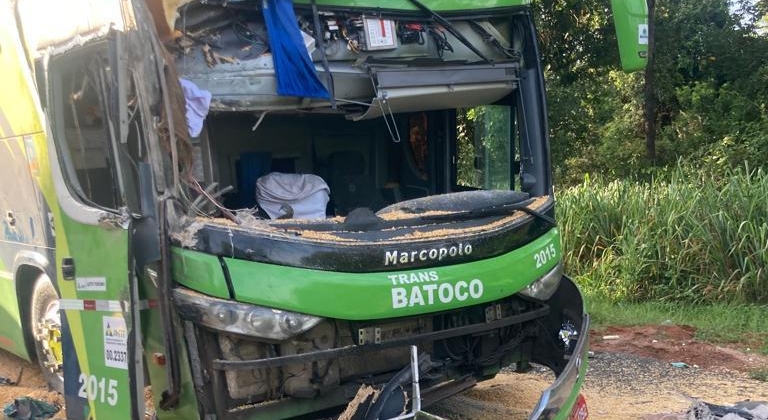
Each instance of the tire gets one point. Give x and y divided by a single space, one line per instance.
46 332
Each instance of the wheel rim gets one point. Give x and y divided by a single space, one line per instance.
49 337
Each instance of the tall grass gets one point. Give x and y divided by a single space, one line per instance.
691 237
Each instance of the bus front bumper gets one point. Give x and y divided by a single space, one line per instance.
562 400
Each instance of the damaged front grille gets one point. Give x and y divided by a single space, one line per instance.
330 361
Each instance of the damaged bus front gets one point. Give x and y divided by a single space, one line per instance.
262 206
399 194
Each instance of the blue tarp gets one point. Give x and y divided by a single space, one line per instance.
294 69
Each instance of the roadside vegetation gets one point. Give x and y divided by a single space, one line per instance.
688 237
662 175
687 247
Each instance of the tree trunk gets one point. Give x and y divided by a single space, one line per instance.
649 117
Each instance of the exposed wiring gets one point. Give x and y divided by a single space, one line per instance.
323 54
352 45
441 40
445 23
497 41
192 182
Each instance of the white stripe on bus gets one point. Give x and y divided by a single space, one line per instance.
103 305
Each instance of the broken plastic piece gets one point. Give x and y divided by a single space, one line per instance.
27 408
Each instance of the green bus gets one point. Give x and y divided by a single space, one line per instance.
268 209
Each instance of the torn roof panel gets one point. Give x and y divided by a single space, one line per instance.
67 23
165 12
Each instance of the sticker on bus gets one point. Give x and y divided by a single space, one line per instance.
115 342
91 284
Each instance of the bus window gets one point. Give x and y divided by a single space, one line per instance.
84 89
484 147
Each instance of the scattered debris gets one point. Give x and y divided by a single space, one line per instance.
745 410
669 347
212 58
11 382
26 408
361 403
681 365
611 337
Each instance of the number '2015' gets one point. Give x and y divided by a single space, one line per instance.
545 255
94 388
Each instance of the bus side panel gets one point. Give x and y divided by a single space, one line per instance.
23 231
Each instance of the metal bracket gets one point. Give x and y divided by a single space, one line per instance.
369 335
492 313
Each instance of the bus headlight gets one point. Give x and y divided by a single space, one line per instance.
240 318
545 287
223 315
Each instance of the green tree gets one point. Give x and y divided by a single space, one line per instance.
707 98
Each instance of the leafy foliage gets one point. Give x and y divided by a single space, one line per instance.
691 224
483 142
710 86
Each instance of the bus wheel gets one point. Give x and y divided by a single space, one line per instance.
46 328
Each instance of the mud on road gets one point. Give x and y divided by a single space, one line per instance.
629 377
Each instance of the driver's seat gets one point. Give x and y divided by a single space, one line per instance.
351 183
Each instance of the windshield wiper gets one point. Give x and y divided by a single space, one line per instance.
450 28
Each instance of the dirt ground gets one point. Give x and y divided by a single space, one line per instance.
29 379
630 377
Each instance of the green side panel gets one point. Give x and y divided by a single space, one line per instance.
11 333
631 20
436 5
200 272
358 296
99 386
18 122
153 342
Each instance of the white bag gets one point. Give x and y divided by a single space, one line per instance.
307 195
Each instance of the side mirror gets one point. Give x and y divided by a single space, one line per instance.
631 20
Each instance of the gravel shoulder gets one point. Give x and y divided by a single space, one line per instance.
618 386
630 376
627 386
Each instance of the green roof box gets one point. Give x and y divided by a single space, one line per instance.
631 20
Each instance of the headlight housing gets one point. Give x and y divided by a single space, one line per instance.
545 287
240 318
